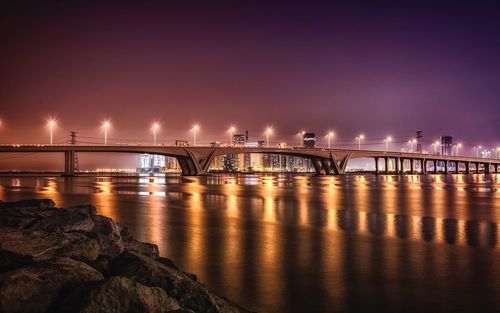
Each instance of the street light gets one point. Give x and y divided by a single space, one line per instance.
359 138
106 125
459 145
498 152
52 123
330 136
435 144
195 129
156 127
231 131
387 140
269 131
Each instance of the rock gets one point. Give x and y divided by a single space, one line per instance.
10 260
78 218
23 213
35 287
30 203
107 233
119 294
39 245
52 260
189 293
144 248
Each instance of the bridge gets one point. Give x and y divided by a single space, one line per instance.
196 160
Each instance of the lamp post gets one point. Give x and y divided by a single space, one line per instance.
359 138
459 145
498 152
269 131
387 140
330 136
52 124
231 131
106 125
156 127
195 130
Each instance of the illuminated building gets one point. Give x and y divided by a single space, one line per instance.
446 145
154 163
309 140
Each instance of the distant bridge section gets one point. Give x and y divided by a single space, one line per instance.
196 160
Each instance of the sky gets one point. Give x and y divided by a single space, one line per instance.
385 68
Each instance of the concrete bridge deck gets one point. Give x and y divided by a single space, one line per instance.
197 160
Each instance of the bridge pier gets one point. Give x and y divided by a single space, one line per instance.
423 166
412 166
386 161
487 168
467 167
69 163
398 165
377 171
446 166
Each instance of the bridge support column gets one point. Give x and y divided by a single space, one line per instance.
386 161
377 170
487 168
423 166
457 167
412 166
446 166
318 167
467 167
69 163
398 165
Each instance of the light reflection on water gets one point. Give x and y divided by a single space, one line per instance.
303 243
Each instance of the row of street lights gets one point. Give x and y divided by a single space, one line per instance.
268 132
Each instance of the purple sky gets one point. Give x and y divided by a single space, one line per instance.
378 69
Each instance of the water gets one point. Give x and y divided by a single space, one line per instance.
353 243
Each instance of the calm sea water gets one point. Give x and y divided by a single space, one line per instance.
353 243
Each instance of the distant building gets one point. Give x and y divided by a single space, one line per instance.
419 139
309 140
446 145
151 163
239 139
182 143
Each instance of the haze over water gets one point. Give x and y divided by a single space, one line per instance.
299 243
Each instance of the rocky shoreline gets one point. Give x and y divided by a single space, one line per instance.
73 260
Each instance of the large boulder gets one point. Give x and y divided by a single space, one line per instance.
118 294
144 248
78 218
24 213
29 204
189 293
35 287
40 245
108 234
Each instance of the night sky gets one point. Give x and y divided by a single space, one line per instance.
382 68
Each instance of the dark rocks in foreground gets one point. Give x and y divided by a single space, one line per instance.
73 260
